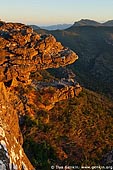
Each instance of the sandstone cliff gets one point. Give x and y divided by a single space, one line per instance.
23 51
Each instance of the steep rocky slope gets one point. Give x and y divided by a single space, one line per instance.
76 132
22 54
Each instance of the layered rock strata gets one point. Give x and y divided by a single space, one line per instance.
21 52
56 91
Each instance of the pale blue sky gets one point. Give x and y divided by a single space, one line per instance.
47 12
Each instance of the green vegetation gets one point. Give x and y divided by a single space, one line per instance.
40 154
79 131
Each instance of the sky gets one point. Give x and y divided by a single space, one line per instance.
50 12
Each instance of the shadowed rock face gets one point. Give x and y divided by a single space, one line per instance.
21 52
12 156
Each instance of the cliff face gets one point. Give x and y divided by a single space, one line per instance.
12 155
23 51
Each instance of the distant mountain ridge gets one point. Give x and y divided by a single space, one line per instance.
35 27
52 27
56 27
108 23
82 22
88 22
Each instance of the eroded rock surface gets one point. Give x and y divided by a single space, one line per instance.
12 156
56 91
23 51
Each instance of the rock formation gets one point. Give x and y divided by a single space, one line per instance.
23 51
56 91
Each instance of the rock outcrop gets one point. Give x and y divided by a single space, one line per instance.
23 51
56 91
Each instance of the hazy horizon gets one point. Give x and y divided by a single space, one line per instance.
72 22
46 25
52 12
